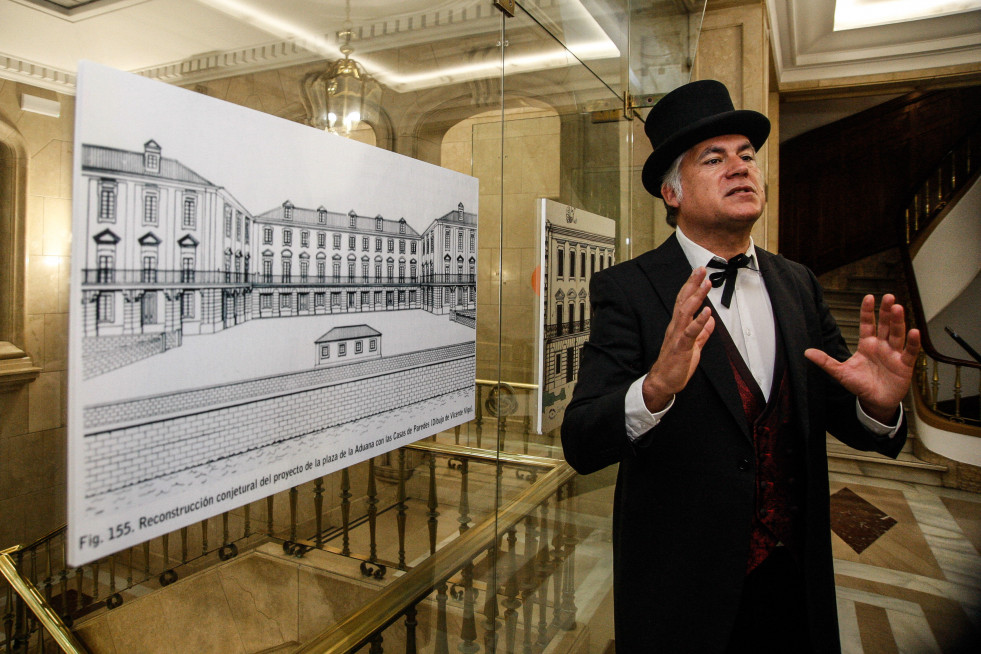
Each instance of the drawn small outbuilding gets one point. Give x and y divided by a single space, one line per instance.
348 344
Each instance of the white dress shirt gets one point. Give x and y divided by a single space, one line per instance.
749 321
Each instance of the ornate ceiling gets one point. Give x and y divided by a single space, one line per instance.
185 41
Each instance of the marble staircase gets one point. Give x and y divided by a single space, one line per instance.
843 294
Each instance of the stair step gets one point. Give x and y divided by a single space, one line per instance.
875 284
844 307
850 334
839 295
290 646
905 467
835 445
832 294
847 314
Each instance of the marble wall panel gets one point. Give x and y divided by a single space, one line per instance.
12 526
55 341
57 224
46 398
43 277
14 413
193 615
95 635
262 598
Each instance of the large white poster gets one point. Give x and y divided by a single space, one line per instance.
254 304
574 245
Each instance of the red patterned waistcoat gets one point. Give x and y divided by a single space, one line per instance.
770 423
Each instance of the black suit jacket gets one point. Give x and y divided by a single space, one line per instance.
685 492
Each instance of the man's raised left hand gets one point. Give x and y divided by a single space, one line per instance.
879 373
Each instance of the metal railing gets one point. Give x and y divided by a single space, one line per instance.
934 194
570 328
44 596
939 378
447 278
30 612
332 280
934 370
510 406
514 577
198 278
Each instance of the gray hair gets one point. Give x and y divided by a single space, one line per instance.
672 179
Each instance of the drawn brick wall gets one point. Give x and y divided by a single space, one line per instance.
100 355
255 415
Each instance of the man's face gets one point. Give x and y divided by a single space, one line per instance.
722 187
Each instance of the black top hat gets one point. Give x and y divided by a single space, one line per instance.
687 116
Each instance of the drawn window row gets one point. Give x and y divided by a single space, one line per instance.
605 261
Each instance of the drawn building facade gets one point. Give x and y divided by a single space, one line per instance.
571 257
449 262
315 261
170 253
348 344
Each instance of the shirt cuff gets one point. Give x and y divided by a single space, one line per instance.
873 425
639 420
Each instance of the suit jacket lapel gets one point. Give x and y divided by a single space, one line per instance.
668 271
786 300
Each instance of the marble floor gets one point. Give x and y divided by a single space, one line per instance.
907 560
907 566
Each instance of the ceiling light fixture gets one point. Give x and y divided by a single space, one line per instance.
343 96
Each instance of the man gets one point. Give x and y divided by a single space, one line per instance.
715 400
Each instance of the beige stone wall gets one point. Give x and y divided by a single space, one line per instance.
507 231
734 48
33 417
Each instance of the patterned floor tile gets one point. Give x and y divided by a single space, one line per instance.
857 521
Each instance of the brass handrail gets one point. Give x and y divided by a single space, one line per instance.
360 626
40 607
936 196
481 454
41 540
495 382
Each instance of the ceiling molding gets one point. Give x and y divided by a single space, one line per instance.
35 74
446 24
807 49
214 65
895 83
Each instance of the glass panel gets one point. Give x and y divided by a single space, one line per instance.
559 142
663 41
593 31
663 38
533 107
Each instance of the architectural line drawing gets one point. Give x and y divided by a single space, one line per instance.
172 254
575 244
214 338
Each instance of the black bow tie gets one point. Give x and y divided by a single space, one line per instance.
728 275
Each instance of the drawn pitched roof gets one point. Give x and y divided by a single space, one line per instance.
469 218
348 332
112 160
335 220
